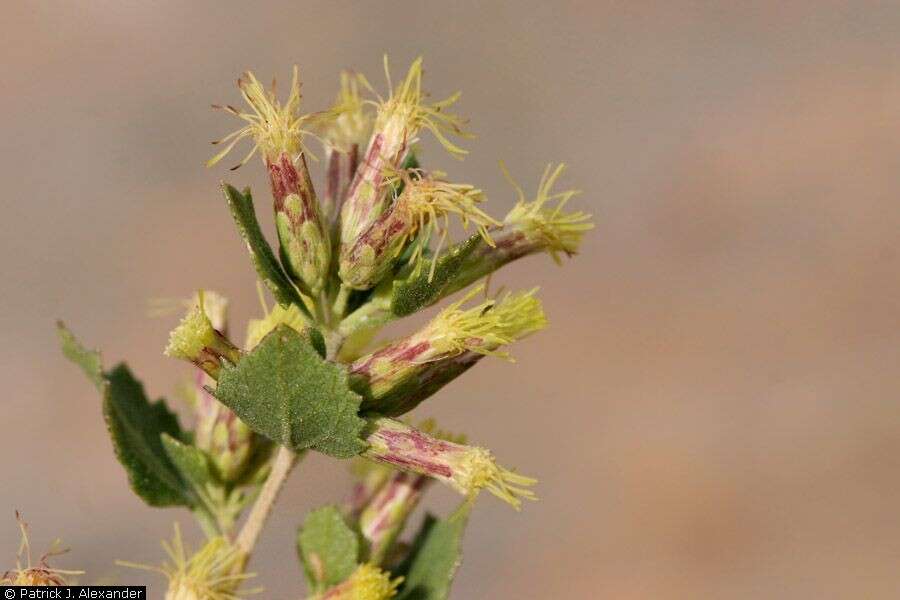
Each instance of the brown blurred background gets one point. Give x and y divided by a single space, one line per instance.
714 411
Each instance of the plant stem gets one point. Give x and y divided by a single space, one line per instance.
340 303
282 465
374 313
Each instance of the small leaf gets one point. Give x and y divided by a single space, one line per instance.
328 547
267 266
287 392
196 470
417 292
190 461
88 360
136 425
435 557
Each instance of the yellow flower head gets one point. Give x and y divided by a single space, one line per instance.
275 128
352 121
194 333
35 575
405 111
195 340
215 306
216 572
478 470
555 230
367 582
257 329
486 327
429 202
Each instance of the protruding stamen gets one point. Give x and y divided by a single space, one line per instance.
553 229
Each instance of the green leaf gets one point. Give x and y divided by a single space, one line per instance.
88 360
191 462
267 266
417 292
136 426
287 392
328 547
435 557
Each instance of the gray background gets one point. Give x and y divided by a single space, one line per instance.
713 412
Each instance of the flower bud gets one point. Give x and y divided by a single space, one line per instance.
301 233
418 211
400 118
466 469
218 431
386 513
342 137
382 521
277 131
195 340
367 582
370 478
227 440
397 377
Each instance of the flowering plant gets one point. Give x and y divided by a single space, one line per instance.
373 247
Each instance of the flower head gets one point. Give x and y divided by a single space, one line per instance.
196 341
35 575
552 229
485 328
274 128
367 582
215 572
400 118
424 207
405 111
352 120
257 329
395 378
466 469
385 515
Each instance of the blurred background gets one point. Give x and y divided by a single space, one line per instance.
714 411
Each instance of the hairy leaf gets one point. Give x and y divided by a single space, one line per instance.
417 291
267 266
287 392
435 557
136 426
328 547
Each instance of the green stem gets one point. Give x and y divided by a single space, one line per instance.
340 303
372 314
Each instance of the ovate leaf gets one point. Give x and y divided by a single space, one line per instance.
136 426
267 267
287 392
328 548
435 557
